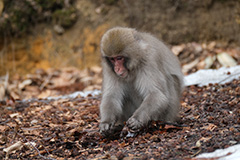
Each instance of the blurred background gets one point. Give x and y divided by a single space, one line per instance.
42 37
59 33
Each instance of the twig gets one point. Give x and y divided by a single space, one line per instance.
4 122
196 153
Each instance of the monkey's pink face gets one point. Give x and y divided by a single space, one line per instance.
119 66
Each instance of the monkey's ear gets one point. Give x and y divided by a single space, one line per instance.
136 36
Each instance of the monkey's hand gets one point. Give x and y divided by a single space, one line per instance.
107 129
134 124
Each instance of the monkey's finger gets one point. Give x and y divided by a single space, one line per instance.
117 128
134 124
104 127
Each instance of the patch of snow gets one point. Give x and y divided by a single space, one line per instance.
205 76
76 94
69 96
230 153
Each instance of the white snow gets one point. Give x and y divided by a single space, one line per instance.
69 96
205 76
76 94
230 153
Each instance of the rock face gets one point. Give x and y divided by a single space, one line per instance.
175 22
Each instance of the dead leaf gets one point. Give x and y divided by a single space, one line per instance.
25 83
226 60
202 140
189 66
210 127
209 61
177 49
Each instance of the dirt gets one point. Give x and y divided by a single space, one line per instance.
68 128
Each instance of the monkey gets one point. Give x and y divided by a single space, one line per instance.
142 81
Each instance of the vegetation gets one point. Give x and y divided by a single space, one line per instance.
19 16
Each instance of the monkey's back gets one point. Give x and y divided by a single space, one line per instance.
167 61
172 63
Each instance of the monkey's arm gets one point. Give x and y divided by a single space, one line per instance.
153 107
111 106
153 87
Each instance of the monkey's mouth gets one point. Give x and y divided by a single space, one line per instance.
123 74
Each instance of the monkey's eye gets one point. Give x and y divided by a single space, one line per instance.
119 58
111 59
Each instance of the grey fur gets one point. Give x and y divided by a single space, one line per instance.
152 88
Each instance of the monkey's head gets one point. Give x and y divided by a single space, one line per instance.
120 49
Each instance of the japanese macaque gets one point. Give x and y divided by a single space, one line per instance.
142 81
